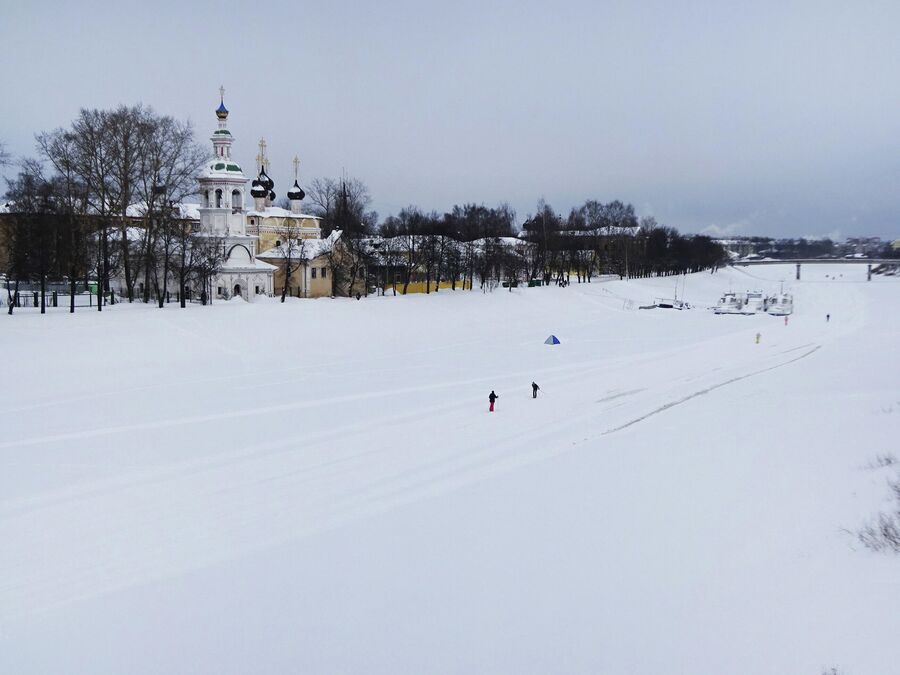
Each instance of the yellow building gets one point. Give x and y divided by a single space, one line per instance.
310 261
272 225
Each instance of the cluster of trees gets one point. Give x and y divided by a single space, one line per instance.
474 244
471 241
597 238
74 207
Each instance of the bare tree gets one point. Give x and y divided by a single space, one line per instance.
128 132
208 257
406 230
342 204
166 248
36 231
291 248
166 177
59 149
94 165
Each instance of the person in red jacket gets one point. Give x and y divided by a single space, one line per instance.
493 397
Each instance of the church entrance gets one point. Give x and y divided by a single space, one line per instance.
237 290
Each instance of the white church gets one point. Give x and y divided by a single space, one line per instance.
244 234
222 215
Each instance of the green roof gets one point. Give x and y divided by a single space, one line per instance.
221 166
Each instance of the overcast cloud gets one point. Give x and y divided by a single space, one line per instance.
778 118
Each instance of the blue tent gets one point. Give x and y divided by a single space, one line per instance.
552 340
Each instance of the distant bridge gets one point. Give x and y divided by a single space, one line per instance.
822 261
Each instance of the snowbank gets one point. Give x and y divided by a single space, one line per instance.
322 489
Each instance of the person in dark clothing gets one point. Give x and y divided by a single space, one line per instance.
827 318
534 390
493 397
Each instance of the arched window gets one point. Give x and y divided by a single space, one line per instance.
206 199
218 199
236 199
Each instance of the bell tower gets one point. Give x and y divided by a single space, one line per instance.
222 183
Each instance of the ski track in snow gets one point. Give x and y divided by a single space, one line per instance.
695 394
418 476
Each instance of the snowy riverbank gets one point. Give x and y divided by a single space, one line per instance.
317 487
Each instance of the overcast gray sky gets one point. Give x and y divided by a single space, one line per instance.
775 118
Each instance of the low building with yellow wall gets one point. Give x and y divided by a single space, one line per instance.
273 225
310 261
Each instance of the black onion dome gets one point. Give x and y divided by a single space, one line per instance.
271 196
257 191
296 192
265 181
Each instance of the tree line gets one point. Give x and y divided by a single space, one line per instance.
76 206
473 245
103 198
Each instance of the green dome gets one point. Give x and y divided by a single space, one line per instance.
222 166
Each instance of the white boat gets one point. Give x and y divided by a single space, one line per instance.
754 302
669 303
729 303
781 304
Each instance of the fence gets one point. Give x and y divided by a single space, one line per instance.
32 299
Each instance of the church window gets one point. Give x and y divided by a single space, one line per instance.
236 199
324 272
257 290
278 242
206 199
313 272
220 290
218 199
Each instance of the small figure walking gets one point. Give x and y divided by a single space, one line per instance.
534 390
758 336
493 397
827 318
785 320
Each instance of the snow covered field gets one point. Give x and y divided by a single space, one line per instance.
317 487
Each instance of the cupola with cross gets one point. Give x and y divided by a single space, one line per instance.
222 182
296 194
